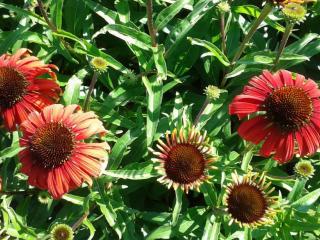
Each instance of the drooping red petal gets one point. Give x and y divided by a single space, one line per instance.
285 149
55 190
271 142
255 129
9 119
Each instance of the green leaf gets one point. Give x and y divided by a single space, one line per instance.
297 189
118 150
56 12
163 232
117 97
304 203
108 15
25 13
211 230
214 51
177 111
180 30
155 93
307 225
130 35
169 85
72 90
299 45
123 10
210 196
12 38
254 11
90 227
135 171
73 199
111 217
167 14
158 55
11 151
177 206
211 108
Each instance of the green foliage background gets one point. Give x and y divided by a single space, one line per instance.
145 92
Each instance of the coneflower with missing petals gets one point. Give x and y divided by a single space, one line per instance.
26 85
248 200
55 156
184 157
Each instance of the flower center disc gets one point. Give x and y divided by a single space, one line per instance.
289 107
61 235
52 145
246 203
13 86
185 164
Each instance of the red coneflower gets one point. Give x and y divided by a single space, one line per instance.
287 114
184 159
55 157
24 88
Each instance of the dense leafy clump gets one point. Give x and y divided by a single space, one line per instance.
159 119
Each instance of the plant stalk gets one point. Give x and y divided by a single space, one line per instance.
283 43
297 189
52 27
247 233
151 28
205 104
223 33
177 206
263 15
91 88
247 157
45 16
80 221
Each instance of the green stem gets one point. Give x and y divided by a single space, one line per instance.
247 233
79 222
52 26
263 15
177 206
297 189
270 164
45 16
283 43
91 88
223 33
247 157
205 104
215 231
